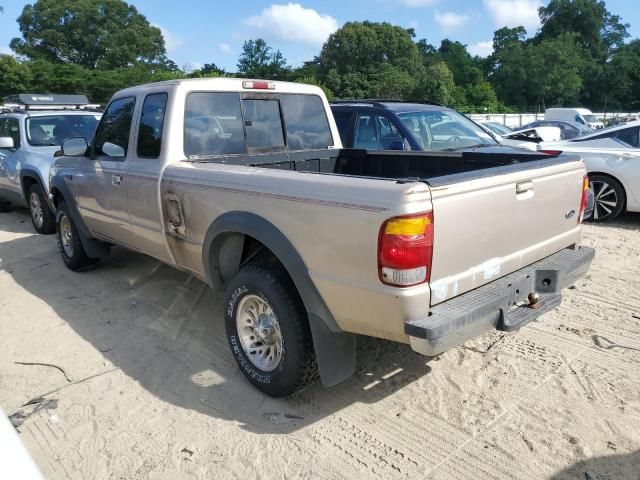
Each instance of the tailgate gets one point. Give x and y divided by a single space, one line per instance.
487 228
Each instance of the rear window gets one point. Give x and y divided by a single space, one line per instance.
52 130
307 124
213 124
263 123
221 123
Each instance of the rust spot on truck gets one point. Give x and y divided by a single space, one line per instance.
174 217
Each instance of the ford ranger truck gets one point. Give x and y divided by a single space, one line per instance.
245 185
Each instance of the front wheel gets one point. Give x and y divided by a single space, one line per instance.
268 331
41 216
609 197
71 250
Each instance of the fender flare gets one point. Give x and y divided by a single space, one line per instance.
94 248
335 349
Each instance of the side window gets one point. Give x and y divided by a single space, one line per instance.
388 133
343 122
213 124
9 127
151 123
112 135
629 136
263 123
366 135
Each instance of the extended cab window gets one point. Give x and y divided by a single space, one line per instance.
151 122
9 128
263 123
213 124
306 120
112 136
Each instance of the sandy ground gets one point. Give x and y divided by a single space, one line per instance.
150 390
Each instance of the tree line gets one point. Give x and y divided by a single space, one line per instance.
581 55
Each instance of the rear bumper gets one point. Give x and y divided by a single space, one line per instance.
501 304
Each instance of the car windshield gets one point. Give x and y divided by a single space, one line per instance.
52 130
591 118
499 128
445 130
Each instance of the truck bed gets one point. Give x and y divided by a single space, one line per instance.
434 168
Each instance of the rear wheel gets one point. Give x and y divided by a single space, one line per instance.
69 244
41 216
609 197
268 330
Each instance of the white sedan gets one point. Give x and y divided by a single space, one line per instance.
612 157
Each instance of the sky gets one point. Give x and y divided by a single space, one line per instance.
212 31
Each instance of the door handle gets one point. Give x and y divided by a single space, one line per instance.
627 155
116 180
524 187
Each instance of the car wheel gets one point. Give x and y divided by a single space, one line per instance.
609 197
69 244
268 331
41 216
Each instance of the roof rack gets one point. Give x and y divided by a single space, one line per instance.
35 101
378 102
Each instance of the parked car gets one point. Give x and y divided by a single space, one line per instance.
568 130
396 125
612 157
244 184
498 128
583 116
31 131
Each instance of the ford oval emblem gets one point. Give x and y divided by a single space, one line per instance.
570 214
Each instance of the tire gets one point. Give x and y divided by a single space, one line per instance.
5 207
69 244
41 216
610 198
282 361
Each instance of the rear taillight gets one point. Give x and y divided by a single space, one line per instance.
583 200
551 152
405 248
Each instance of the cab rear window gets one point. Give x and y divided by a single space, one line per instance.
223 123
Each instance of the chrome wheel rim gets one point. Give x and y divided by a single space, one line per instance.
36 210
606 199
259 333
66 236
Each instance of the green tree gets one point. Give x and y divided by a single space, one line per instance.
436 85
91 33
15 77
259 60
595 27
465 69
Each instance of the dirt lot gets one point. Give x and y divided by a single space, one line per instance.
150 390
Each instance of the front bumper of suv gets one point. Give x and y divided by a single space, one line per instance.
502 304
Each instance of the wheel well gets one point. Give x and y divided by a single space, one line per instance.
27 181
234 250
57 197
608 175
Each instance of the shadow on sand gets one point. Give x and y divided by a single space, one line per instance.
164 329
613 467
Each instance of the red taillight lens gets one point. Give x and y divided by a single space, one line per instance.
551 152
583 200
405 248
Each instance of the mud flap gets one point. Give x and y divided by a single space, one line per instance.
335 352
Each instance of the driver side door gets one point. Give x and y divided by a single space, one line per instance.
100 180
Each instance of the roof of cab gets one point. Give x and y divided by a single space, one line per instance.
394 106
223 84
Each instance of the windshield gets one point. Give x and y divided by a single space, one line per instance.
444 130
54 129
591 118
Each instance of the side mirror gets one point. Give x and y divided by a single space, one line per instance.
398 144
75 147
6 142
112 150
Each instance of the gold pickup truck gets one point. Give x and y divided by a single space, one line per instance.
245 184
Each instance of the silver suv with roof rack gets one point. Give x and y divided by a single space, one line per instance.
32 128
